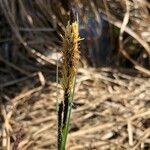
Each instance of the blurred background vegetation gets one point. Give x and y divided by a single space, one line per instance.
116 35
30 33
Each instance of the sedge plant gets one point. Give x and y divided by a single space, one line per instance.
70 59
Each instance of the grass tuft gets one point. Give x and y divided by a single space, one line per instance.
71 55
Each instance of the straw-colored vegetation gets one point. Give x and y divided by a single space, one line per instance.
111 104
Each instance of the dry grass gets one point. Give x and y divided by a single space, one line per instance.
33 28
111 108
111 112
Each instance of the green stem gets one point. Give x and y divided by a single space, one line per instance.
65 129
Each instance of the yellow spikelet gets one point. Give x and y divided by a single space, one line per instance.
70 55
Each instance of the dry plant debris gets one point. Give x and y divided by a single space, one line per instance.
111 111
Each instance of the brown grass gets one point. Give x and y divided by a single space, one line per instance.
111 112
111 109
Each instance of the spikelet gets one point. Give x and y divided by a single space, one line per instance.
70 59
70 55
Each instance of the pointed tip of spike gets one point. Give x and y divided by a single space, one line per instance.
73 15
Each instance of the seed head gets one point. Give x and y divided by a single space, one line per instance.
70 53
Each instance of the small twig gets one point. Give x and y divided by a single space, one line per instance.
37 29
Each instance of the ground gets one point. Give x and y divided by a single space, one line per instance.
110 111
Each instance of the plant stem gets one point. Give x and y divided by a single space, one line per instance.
66 125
